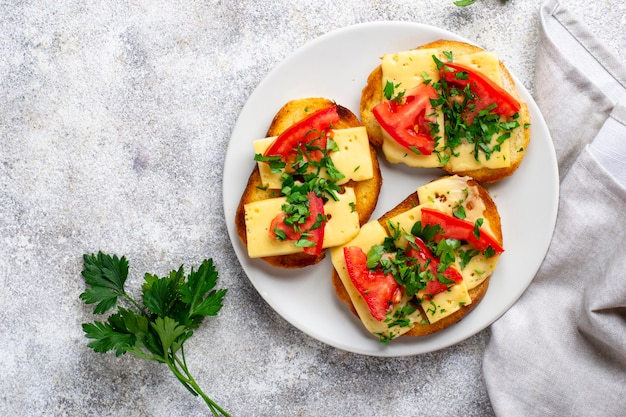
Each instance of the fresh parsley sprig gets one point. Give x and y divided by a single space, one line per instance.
156 329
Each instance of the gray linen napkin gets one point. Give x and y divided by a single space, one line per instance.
561 349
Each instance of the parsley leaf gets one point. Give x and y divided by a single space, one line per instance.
445 251
106 276
198 292
275 162
465 256
156 330
477 224
428 233
107 337
390 92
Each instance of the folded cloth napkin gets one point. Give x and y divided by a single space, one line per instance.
561 349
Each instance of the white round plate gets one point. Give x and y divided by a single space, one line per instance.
336 66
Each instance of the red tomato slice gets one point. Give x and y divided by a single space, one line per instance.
408 123
278 224
312 130
421 252
487 91
433 288
377 289
316 207
424 256
456 228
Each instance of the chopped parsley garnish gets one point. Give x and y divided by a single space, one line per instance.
459 212
275 163
412 273
489 252
301 176
400 316
464 123
390 92
477 224
465 256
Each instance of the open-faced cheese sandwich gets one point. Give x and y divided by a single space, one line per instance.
425 264
450 105
316 181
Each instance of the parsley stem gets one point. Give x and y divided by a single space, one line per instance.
174 363
136 304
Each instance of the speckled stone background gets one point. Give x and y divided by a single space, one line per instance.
115 118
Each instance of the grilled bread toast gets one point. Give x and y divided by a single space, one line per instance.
414 313
365 191
503 159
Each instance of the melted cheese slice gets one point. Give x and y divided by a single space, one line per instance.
489 65
371 234
445 195
477 269
342 226
411 68
446 303
443 304
485 62
353 159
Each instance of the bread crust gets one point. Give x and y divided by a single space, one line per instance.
366 192
477 293
372 94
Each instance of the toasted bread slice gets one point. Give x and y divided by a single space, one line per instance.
366 191
476 293
372 94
